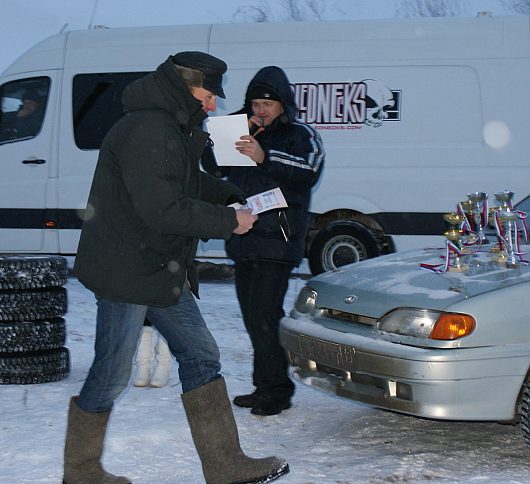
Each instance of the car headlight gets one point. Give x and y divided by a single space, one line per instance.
306 301
426 323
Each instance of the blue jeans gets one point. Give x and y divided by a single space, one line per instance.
117 333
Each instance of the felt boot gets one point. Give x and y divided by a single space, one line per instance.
216 439
84 447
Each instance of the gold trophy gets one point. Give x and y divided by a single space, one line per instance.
454 235
468 209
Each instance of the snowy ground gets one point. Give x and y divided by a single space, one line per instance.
325 439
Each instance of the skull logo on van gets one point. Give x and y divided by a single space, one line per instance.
379 98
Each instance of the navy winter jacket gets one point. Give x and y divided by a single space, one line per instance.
294 157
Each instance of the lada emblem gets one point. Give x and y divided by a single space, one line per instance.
351 299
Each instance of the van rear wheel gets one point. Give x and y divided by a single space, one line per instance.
341 243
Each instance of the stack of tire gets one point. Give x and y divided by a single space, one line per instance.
32 330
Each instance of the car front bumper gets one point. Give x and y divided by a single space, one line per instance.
452 384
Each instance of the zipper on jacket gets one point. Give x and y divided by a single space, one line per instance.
286 232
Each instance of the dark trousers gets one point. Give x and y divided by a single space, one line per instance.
261 288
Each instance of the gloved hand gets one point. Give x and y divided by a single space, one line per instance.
236 198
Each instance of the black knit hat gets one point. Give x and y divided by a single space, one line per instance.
212 68
260 91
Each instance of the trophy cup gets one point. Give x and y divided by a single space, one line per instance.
506 229
467 207
479 214
454 235
504 200
509 228
455 220
503 203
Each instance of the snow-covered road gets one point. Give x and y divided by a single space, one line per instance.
325 439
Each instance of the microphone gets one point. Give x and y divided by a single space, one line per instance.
254 128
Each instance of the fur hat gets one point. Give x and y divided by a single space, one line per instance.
212 68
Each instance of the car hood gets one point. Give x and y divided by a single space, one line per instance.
375 286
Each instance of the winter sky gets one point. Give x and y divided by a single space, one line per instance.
26 22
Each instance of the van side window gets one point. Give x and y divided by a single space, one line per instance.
23 106
97 105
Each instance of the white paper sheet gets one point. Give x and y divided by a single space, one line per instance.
224 132
263 202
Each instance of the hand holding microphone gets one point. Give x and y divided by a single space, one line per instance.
256 125
248 145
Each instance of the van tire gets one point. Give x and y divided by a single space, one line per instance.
20 272
31 336
524 412
33 305
340 243
38 367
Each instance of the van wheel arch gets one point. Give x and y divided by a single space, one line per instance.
342 242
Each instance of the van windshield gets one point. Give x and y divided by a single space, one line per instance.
23 107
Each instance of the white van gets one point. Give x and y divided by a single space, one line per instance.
414 114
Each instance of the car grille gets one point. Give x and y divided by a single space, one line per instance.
352 318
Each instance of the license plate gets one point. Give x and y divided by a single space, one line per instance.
326 353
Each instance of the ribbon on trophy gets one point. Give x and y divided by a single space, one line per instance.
450 248
466 224
524 225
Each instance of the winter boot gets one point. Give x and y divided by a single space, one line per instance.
144 357
84 447
248 400
216 439
164 359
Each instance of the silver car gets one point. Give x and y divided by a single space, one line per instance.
390 333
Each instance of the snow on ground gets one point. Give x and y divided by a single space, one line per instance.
325 439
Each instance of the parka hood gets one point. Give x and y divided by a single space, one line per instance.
164 89
274 79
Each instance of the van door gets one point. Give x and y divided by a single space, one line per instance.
26 160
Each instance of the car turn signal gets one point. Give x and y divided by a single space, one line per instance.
452 326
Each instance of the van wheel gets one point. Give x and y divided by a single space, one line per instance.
31 336
524 413
341 243
32 272
39 367
33 305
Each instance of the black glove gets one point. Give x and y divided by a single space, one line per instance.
236 198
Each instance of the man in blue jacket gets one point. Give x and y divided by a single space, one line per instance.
288 154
